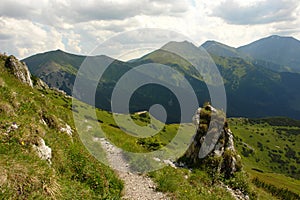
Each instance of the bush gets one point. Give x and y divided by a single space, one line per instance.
51 121
150 143
239 181
281 193
213 167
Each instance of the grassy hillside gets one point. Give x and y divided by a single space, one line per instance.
270 155
199 183
73 174
270 149
269 145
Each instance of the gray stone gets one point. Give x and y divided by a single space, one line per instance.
19 69
44 152
67 130
212 139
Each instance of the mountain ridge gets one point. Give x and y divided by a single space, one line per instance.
253 90
220 49
278 53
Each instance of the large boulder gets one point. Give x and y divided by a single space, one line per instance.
212 146
19 69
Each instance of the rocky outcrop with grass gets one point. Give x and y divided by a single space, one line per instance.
212 145
43 151
19 69
21 72
41 154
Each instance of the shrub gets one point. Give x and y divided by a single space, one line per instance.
150 143
213 167
240 181
51 120
281 193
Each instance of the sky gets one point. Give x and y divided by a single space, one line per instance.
29 27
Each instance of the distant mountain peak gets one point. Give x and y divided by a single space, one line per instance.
280 37
275 37
219 49
210 43
281 50
273 40
59 50
177 44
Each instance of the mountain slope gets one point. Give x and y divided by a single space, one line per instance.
284 51
255 91
269 144
268 148
219 49
252 90
41 155
276 53
52 61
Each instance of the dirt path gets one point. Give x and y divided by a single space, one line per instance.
137 187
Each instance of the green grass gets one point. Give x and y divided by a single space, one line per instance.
73 174
183 184
269 149
173 181
278 180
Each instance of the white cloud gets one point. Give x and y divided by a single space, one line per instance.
259 12
32 26
26 38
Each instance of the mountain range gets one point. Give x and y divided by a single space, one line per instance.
43 156
261 79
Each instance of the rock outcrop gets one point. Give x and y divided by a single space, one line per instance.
67 130
44 152
213 144
40 84
19 69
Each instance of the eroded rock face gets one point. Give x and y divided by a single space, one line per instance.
213 143
41 84
44 152
19 69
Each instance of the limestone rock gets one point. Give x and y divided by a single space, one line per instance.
67 130
41 84
170 163
213 143
19 69
44 152
13 126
